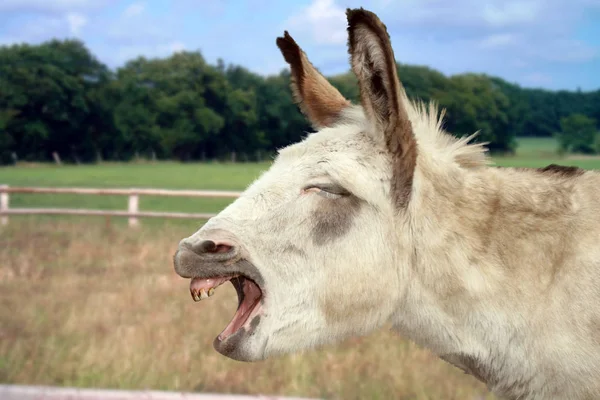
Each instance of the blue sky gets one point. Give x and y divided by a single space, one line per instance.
552 44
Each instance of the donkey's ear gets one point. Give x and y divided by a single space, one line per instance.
373 63
318 100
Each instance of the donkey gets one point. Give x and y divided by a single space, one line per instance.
380 216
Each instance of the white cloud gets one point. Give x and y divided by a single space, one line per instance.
462 35
511 12
35 21
322 20
76 21
522 41
134 9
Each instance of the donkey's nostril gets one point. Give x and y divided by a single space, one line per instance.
206 246
211 247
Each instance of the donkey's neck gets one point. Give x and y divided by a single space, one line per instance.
480 237
492 230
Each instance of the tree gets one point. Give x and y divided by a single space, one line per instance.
578 134
48 85
6 139
474 104
57 96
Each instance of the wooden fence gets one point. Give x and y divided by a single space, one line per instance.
132 212
22 392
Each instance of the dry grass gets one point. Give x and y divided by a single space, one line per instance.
90 305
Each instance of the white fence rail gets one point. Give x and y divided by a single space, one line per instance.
132 212
18 392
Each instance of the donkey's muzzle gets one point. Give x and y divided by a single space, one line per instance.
204 257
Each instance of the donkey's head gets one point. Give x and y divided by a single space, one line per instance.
318 247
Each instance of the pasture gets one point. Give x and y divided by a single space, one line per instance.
90 304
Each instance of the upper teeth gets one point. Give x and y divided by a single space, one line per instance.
202 294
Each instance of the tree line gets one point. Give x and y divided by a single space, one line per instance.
57 97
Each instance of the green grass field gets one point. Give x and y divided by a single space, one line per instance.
537 147
164 175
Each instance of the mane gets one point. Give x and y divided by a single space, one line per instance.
431 138
428 122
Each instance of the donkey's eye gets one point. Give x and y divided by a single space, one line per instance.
328 195
328 191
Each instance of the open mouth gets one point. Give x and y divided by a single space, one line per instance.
249 299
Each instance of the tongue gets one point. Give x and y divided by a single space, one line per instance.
248 306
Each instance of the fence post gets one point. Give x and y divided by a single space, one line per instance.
134 201
4 205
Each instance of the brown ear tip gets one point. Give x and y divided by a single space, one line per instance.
368 19
286 40
289 48
355 15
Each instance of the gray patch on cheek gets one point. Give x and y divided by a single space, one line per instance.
334 218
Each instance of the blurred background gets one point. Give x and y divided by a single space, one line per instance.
195 95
